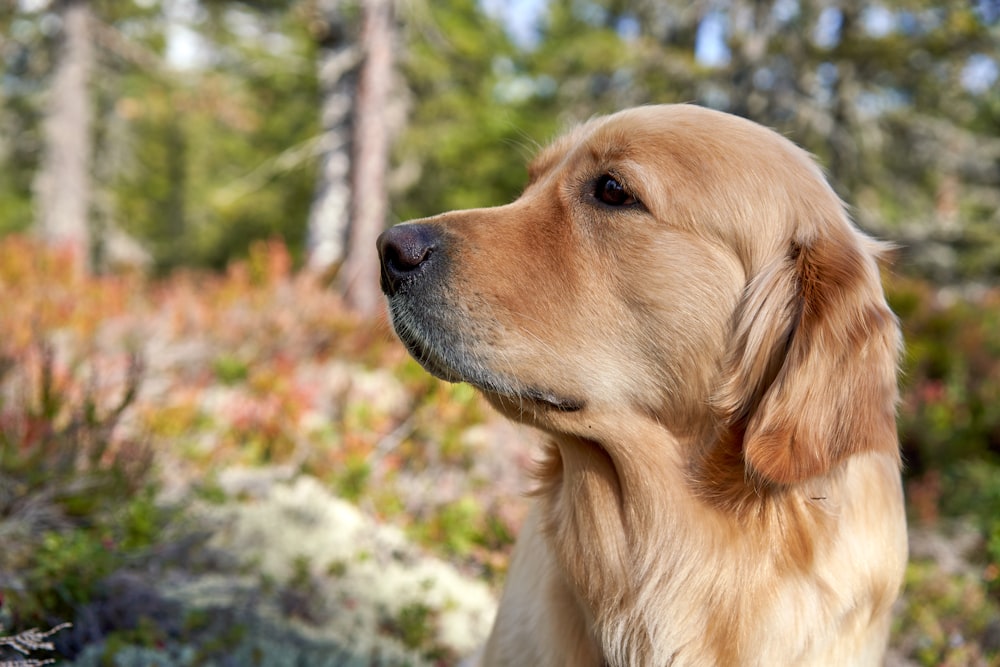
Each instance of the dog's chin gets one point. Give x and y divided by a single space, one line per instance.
431 362
512 397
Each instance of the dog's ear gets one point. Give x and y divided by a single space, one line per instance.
812 373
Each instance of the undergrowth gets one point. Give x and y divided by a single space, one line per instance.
260 368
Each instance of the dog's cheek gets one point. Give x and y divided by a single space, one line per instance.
681 326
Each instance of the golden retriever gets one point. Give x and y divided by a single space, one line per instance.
680 302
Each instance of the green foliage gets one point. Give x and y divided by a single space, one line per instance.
950 432
230 369
457 526
199 163
62 463
951 403
262 644
991 573
413 624
203 201
468 148
353 477
970 489
946 617
66 570
77 499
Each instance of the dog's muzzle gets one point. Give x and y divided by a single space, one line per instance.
414 277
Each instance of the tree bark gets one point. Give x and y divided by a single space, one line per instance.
330 213
369 206
62 186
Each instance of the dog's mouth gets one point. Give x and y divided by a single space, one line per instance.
548 399
458 367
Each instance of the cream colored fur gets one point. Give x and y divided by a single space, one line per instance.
714 362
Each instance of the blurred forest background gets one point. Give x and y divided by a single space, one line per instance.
201 406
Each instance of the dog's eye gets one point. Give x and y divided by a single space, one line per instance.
609 191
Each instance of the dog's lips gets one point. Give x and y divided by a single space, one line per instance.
522 397
504 389
560 403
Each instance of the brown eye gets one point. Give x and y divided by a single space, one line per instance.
609 191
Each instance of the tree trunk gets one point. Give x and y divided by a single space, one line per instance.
62 186
369 206
330 213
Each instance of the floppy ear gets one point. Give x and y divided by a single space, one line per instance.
812 374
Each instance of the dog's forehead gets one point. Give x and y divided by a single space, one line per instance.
681 130
646 134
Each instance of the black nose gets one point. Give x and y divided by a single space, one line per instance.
405 251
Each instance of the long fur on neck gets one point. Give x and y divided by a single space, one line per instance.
635 543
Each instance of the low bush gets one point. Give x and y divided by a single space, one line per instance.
259 368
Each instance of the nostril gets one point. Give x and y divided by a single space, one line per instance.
404 250
406 257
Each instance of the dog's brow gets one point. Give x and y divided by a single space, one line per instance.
542 163
550 156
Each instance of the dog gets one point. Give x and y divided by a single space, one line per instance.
680 302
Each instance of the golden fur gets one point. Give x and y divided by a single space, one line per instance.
713 360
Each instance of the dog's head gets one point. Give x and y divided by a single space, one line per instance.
671 262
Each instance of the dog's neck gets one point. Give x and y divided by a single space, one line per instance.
630 534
